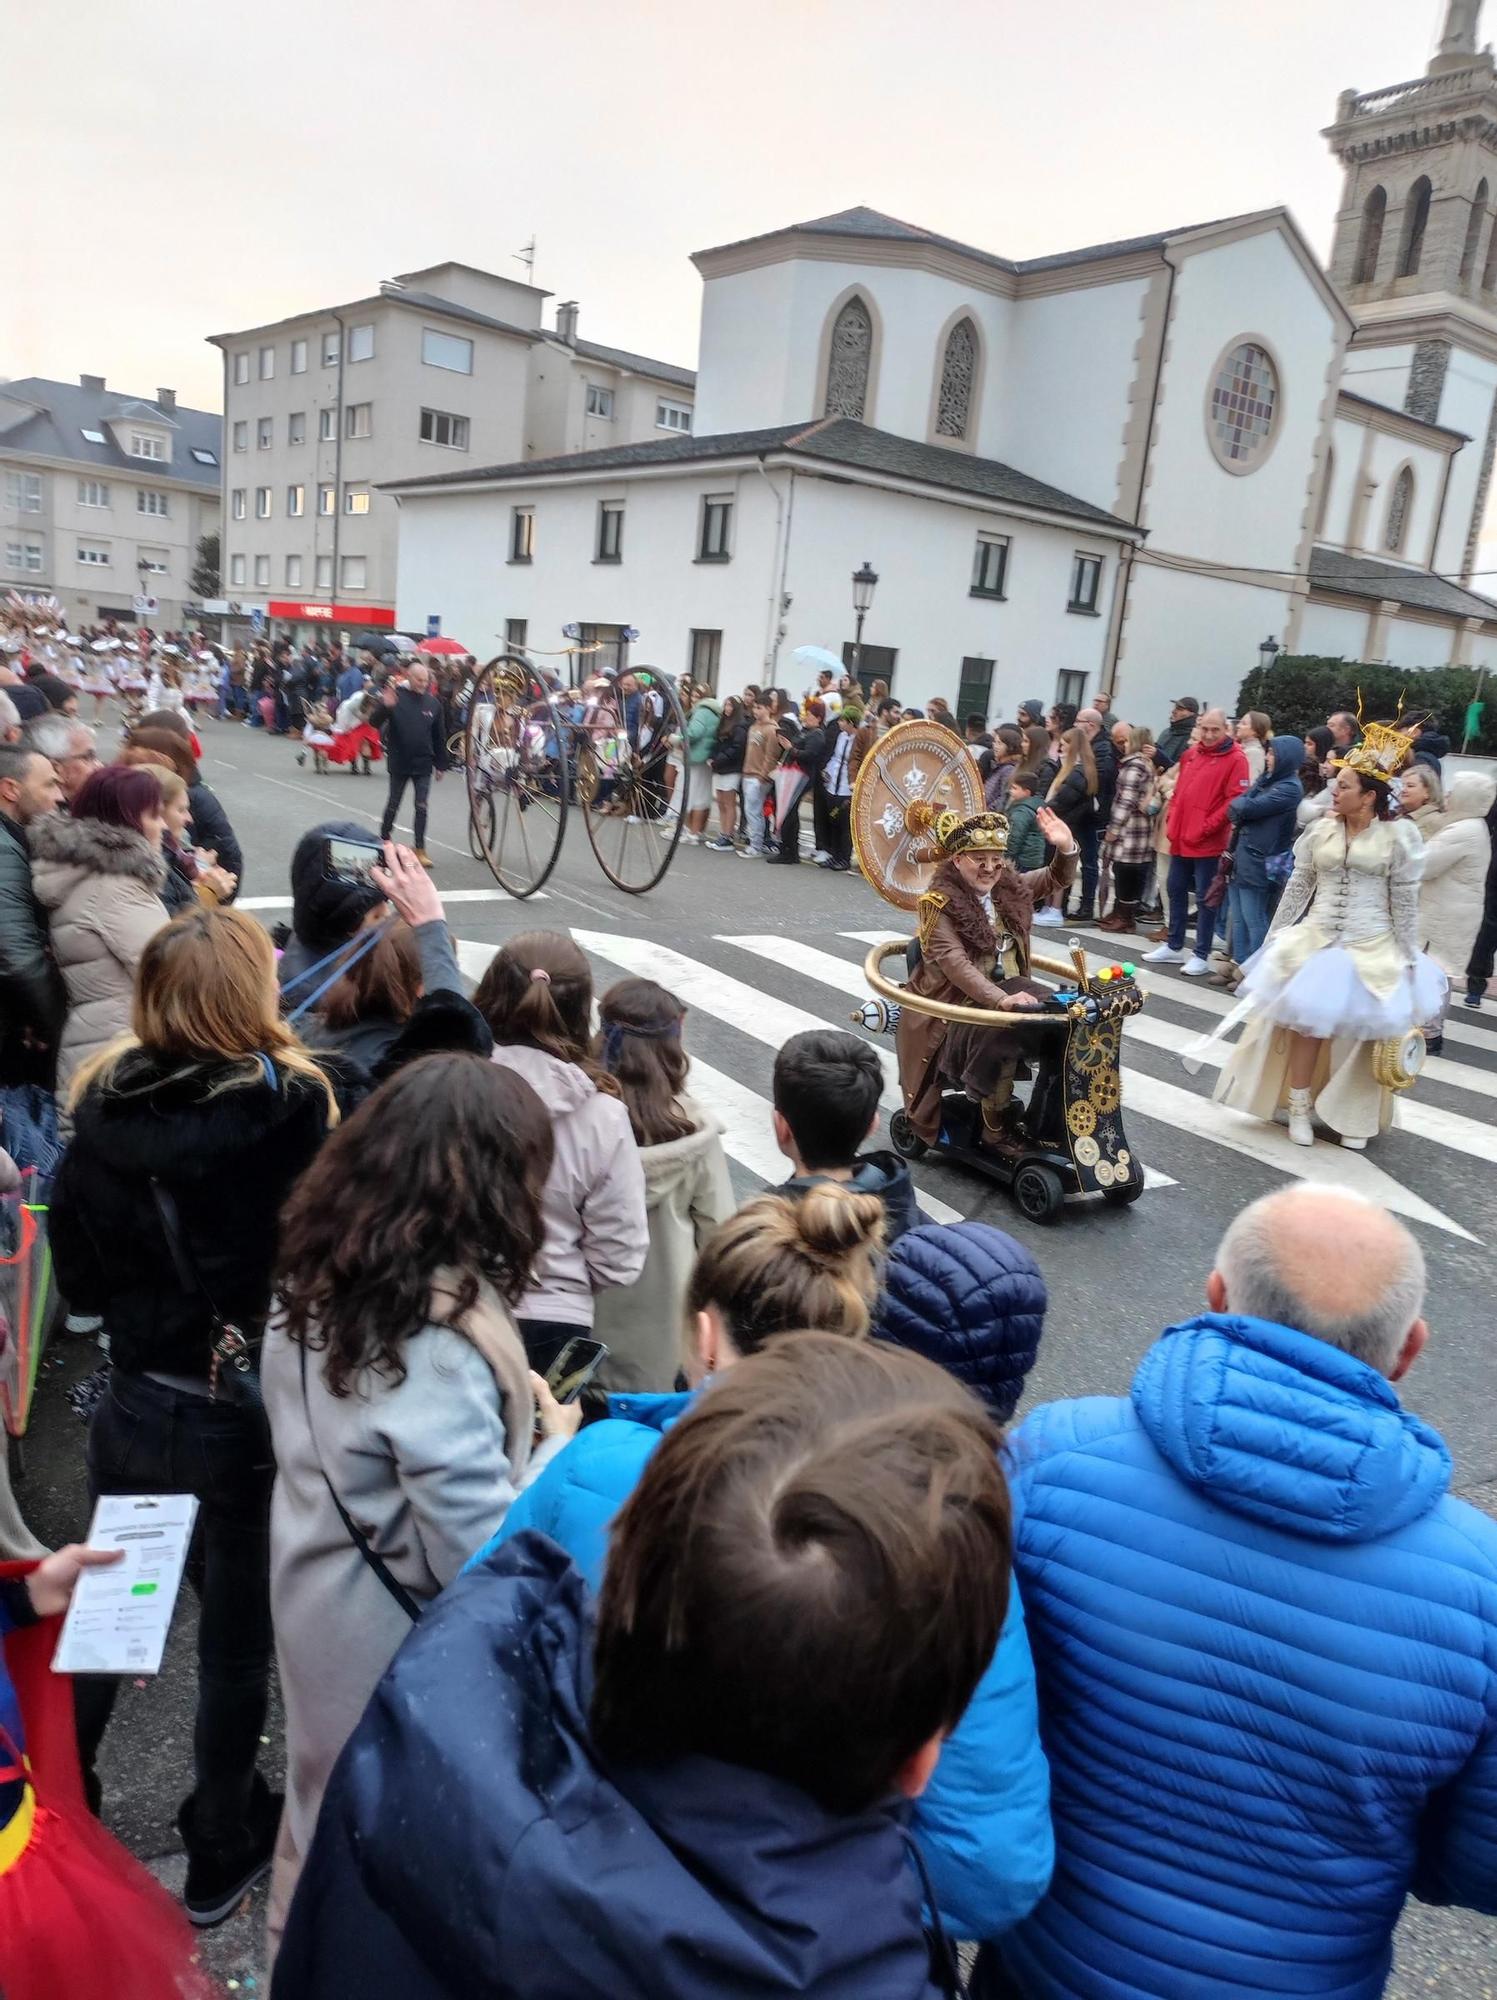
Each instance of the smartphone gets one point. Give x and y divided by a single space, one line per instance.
574 1366
346 860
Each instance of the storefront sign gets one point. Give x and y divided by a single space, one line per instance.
332 614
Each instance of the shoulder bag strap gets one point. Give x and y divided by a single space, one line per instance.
188 1276
355 1533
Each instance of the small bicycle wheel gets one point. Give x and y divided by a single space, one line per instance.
514 765
622 743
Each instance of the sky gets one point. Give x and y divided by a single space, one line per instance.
185 167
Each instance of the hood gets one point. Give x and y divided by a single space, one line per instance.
1288 756
64 849
1286 1429
324 913
969 1298
673 1163
656 1410
159 1117
1469 795
561 1086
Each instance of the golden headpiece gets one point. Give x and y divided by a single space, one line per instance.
1384 748
983 833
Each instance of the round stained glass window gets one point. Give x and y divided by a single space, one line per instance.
1244 403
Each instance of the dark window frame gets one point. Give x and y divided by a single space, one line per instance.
981 562
714 648
610 514
715 548
969 702
1085 604
522 532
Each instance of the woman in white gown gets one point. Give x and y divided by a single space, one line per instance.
1341 970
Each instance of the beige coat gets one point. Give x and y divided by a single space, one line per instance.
1457 855
100 886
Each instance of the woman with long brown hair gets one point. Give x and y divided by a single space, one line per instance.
1071 798
190 1132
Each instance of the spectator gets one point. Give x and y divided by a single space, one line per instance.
1062 717
1030 714
835 789
788 733
726 758
939 712
759 757
1102 703
396 1388
827 1086
189 1137
1027 846
1003 761
326 912
10 721
69 745
1130 831
33 998
1174 741
865 739
1457 859
826 693
1254 731
1421 799
59 697
744 1715
1072 798
1211 776
1432 746
979 740
1088 832
1313 774
687 1190
878 693
1265 819
191 877
1037 759
26 700
1258 1615
172 739
1345 731
888 714
970 1299
98 874
537 998
415 747
1166 777
703 719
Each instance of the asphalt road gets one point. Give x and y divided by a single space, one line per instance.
755 954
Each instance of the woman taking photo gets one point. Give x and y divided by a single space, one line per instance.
1072 798
399 1400
190 1132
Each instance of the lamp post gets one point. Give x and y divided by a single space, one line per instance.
864 583
1268 652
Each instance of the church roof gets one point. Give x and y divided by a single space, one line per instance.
1415 589
831 440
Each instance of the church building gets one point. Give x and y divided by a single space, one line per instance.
1122 467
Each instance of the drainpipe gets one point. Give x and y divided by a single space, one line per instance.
1125 566
1434 543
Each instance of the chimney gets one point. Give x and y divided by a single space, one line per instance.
166 401
94 383
566 322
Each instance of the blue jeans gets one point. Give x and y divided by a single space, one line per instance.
1251 910
1189 872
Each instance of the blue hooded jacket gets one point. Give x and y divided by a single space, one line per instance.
473 1845
983 1822
972 1300
1264 814
1267 1647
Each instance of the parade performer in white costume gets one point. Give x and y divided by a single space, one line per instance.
1334 1000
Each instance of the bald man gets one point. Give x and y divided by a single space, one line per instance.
1265 1638
1212 774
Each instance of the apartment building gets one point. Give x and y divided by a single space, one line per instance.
440 368
104 496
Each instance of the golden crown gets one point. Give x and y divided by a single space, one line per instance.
1383 750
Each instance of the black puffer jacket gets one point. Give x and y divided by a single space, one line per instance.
211 831
229 1159
33 998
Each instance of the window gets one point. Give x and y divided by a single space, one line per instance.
94 554
332 348
327 422
296 502
262 503
149 501
705 657
236 503
202 457
241 367
241 437
975 688
1244 404
1489 269
296 427
717 524
1374 212
92 493
154 562
673 417
611 531
1086 582
93 437
25 556
298 357
265 433
356 499
446 350
1415 222
324 572
1070 686
848 361
1473 228
327 500
353 572
599 401
144 446
293 572
23 492
267 364
1400 507
358 420
236 569
873 663
958 373
515 631
262 572
361 343
442 427
990 566
522 535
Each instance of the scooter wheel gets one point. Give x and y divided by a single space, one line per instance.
902 1138
1039 1193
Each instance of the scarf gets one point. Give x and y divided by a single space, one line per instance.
489 1325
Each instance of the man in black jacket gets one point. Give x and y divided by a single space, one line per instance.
414 748
1184 715
33 999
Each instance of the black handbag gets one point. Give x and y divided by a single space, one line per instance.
234 1359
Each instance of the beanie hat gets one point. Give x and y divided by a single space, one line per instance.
326 913
972 1300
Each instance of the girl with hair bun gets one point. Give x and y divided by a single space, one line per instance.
537 998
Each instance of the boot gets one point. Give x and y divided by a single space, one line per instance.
1160 936
1301 1131
1123 917
424 858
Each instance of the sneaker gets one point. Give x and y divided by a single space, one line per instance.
1164 954
1433 1044
751 854
819 854
722 844
1051 918
691 840
219 1877
1473 998
1195 966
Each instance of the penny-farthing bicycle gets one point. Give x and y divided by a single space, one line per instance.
515 764
628 722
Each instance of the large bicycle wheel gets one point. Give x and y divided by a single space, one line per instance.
514 764
622 744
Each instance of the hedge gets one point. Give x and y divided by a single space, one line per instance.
1298 691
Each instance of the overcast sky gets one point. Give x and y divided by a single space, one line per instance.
183 167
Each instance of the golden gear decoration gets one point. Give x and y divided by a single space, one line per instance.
1081 1118
1089 1050
1106 1091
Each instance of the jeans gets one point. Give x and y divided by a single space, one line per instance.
1086 840
146 1438
1189 872
755 792
420 783
1251 911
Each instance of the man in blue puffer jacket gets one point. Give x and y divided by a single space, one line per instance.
1265 1637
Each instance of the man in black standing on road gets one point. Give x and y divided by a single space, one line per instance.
414 748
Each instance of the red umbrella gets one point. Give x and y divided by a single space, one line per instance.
440 646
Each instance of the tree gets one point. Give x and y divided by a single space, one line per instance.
204 579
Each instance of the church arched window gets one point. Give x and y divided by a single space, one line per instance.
1415 222
848 361
1400 507
958 377
1489 269
1473 228
1322 513
1374 210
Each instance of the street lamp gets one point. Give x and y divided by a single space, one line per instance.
1268 652
864 583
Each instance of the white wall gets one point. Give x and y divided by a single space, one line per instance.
1375 460
1064 403
744 351
1465 405
1189 635
1411 642
1332 632
1380 373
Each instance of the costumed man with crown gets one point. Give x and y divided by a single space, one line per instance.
1334 999
975 922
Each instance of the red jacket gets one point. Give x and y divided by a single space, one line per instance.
1198 827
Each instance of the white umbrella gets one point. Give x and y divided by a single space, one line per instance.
818 657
